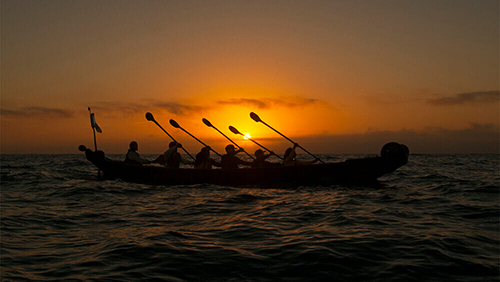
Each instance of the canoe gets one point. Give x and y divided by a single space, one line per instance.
362 170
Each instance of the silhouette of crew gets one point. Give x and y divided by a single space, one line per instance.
290 158
203 160
260 159
229 160
172 158
132 157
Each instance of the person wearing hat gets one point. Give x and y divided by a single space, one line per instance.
172 158
229 160
260 159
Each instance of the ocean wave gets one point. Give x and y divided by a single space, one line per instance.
435 219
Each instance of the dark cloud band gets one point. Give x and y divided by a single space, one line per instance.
467 98
39 112
267 103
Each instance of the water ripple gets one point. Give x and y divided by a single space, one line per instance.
436 219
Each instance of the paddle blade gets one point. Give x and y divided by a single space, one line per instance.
149 116
174 123
207 123
234 130
255 117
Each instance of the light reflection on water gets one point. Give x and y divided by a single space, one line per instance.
436 218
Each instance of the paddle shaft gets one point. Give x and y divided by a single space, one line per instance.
93 129
199 141
95 140
232 142
172 138
291 140
263 147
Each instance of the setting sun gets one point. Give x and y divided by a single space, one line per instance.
326 77
374 149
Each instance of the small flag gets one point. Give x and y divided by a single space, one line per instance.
94 124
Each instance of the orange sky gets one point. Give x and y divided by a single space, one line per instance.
335 76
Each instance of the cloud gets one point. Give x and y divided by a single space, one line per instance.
119 109
123 108
267 103
179 109
186 109
465 98
477 138
38 112
245 102
141 108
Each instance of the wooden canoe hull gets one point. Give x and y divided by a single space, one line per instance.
350 171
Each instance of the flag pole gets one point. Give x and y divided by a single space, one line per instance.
92 122
93 129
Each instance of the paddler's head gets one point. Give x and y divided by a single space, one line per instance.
133 146
259 154
205 152
290 153
230 150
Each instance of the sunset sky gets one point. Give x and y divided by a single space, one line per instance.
334 76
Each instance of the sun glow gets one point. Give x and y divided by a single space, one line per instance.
247 136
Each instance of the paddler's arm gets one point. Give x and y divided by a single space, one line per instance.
137 158
215 163
301 163
186 161
242 162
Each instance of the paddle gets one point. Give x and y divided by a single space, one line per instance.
176 125
149 116
207 123
256 118
235 131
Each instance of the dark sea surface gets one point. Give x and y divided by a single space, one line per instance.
435 219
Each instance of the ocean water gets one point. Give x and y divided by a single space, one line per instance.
435 219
